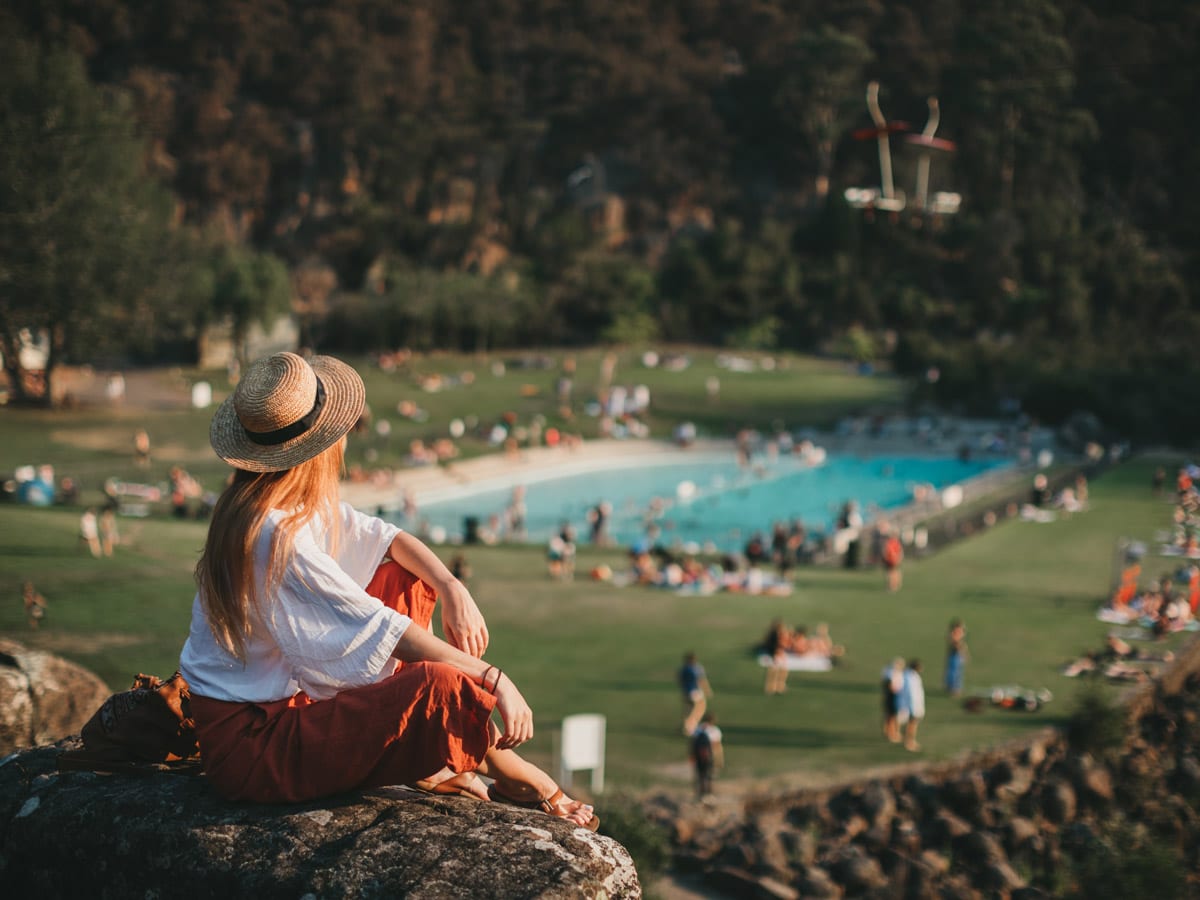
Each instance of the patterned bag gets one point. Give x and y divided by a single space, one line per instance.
149 723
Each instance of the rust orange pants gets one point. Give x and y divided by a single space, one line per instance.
404 728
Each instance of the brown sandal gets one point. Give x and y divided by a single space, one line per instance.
548 805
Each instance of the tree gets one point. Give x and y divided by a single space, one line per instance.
249 287
821 94
82 229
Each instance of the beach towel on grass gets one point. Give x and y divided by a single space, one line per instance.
797 662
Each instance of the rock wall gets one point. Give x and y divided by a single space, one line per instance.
1008 823
80 834
43 697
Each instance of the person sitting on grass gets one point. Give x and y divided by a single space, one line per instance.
822 643
310 660
775 645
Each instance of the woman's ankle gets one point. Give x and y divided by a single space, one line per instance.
517 779
525 790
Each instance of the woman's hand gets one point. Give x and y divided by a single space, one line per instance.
514 713
462 622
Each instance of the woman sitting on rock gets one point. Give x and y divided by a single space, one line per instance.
310 660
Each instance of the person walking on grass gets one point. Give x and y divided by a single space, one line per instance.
310 661
89 532
694 686
911 704
892 682
110 536
707 753
35 605
892 555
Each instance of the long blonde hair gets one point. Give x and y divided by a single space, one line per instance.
225 572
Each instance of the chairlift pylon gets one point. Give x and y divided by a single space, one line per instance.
928 145
886 197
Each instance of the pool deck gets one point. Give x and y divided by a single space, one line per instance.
426 481
422 481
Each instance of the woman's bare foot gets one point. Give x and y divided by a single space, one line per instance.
466 784
582 814
555 803
549 798
521 783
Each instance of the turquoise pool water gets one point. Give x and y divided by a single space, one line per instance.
703 499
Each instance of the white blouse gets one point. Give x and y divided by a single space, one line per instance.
321 631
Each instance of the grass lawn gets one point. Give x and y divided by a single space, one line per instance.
1026 591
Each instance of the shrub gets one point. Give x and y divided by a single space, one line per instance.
622 819
1097 723
1127 862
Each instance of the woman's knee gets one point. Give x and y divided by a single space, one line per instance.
397 588
438 676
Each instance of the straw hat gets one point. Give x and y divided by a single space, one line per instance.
286 410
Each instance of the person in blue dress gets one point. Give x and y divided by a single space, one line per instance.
956 656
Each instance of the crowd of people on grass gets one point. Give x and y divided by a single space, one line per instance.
785 649
218 634
687 573
1044 504
1153 609
1183 539
1118 660
1170 602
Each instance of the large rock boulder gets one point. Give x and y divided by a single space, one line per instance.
80 834
43 697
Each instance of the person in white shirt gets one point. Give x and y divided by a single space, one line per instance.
310 661
707 753
912 704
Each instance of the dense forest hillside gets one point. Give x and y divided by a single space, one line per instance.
477 174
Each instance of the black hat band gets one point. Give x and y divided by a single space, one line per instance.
297 428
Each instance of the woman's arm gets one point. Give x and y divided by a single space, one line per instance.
419 645
462 621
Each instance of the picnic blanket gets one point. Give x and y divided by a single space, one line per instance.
800 662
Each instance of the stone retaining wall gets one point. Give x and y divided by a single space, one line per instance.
1016 821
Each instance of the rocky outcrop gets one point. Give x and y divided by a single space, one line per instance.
1012 823
80 834
69 834
43 697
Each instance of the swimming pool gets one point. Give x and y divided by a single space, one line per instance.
699 498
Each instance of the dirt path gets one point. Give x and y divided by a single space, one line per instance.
145 389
